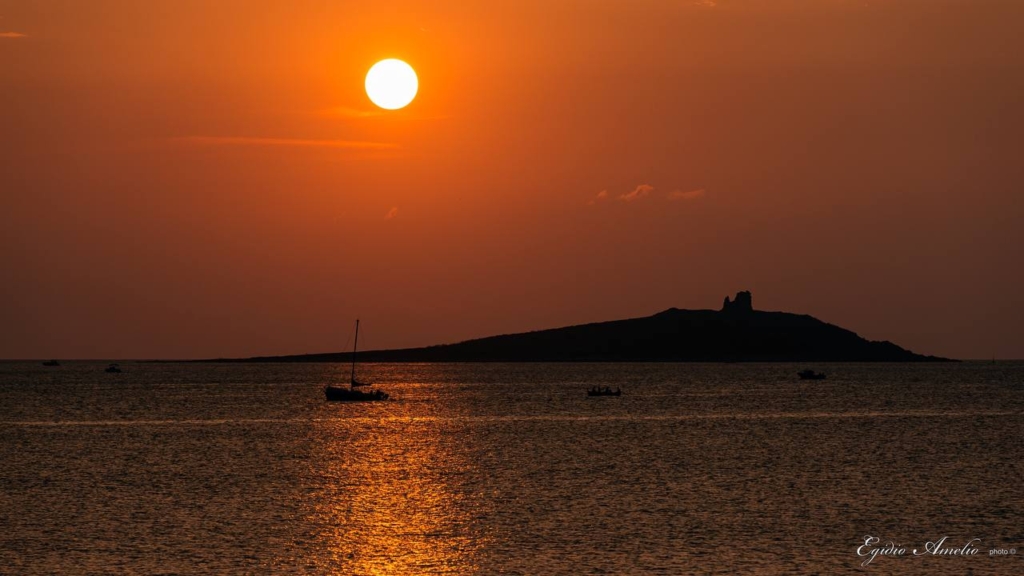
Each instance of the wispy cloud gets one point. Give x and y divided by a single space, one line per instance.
644 190
307 143
347 112
391 213
352 113
13 35
603 194
637 193
687 195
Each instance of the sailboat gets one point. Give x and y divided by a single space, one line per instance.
350 394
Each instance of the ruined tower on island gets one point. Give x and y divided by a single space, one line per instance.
742 303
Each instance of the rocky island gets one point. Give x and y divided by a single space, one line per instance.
735 333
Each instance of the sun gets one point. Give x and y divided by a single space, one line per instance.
391 84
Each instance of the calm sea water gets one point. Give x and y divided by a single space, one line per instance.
509 469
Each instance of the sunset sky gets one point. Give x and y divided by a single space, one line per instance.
189 178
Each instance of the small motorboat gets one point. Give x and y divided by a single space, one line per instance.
51 363
113 369
605 391
810 375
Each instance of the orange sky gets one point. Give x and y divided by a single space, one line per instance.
195 179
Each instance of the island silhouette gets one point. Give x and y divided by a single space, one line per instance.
735 333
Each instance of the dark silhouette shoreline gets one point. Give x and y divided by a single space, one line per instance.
736 333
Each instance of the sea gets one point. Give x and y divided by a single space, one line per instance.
193 468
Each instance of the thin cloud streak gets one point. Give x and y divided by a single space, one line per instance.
637 193
688 195
350 113
600 196
13 35
345 112
298 142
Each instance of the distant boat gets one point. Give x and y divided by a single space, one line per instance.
51 363
350 394
810 375
113 369
340 394
604 392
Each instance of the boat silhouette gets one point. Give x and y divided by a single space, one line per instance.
350 394
113 369
51 363
606 391
810 375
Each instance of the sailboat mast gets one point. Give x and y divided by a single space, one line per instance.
355 344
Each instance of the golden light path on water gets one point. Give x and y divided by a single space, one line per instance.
395 501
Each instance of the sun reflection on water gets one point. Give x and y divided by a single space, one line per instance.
393 497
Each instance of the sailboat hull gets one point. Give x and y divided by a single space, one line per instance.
336 394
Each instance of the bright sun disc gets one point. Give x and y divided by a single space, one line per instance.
391 84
